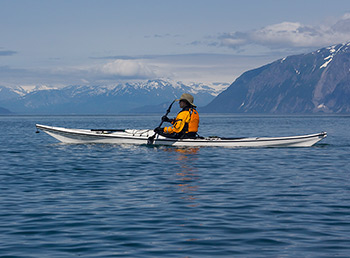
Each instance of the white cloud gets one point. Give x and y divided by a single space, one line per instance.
291 35
127 68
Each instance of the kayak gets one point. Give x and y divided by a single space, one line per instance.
136 136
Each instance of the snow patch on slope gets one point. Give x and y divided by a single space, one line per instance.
333 51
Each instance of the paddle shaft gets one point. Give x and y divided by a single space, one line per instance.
167 113
151 139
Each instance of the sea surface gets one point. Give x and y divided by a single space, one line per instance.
101 200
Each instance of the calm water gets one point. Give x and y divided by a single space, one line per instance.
94 200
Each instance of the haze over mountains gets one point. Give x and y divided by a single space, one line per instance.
316 82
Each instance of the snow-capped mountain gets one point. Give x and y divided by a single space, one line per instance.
146 96
307 83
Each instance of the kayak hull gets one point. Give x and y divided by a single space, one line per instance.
139 137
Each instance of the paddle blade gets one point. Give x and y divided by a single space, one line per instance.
150 140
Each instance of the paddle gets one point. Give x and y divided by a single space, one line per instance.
150 139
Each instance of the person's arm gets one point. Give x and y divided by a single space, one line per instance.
178 124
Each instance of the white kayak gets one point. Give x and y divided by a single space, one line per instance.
135 136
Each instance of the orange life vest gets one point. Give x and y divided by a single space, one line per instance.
194 121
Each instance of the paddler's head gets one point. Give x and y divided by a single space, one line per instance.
186 100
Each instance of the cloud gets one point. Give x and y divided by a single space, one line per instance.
290 35
106 72
7 53
127 68
188 68
166 35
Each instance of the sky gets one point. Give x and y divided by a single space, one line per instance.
100 42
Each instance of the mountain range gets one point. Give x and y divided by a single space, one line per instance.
144 97
316 82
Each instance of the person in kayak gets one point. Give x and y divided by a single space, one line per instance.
186 123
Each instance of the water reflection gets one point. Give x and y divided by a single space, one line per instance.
188 184
187 174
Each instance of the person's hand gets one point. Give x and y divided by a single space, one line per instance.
158 130
165 119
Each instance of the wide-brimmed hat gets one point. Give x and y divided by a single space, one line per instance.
188 97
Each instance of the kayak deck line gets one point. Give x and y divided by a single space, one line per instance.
107 130
135 136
